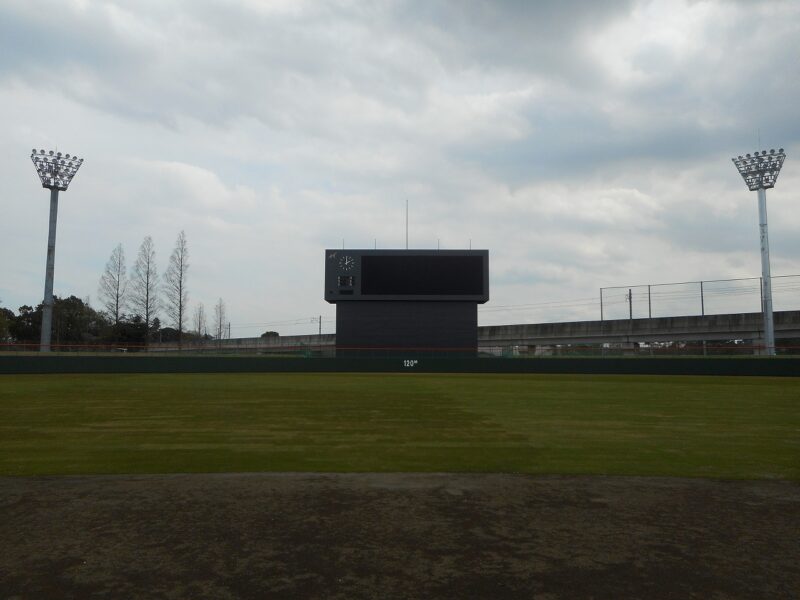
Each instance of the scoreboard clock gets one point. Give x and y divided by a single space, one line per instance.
407 275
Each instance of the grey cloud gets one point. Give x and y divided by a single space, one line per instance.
686 108
221 61
38 43
528 36
206 61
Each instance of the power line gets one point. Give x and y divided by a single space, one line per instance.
638 296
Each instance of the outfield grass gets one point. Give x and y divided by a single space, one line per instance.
724 427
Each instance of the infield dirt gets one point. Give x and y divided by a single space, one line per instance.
397 536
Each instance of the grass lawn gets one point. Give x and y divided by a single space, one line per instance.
727 427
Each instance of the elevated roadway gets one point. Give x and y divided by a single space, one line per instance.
737 326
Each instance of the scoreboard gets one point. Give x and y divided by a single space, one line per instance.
407 275
408 301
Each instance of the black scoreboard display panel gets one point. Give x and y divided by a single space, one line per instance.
407 275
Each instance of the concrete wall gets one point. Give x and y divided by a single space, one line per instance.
272 345
745 326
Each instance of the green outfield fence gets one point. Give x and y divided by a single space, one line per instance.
18 363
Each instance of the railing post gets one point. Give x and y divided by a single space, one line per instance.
702 301
630 304
601 304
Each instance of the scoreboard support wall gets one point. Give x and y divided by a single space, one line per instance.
369 327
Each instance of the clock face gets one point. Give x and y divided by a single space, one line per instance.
346 263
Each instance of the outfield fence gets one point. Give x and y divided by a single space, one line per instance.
408 363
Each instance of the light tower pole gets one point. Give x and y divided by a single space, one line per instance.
760 172
55 172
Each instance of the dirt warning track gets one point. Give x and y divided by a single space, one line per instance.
397 536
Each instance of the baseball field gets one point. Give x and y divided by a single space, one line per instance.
349 485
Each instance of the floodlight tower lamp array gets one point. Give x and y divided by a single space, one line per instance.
761 169
54 169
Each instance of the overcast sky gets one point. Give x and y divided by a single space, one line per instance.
584 144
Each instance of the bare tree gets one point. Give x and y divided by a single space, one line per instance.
176 292
200 320
114 284
219 319
144 284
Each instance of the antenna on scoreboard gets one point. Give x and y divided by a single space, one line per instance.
406 223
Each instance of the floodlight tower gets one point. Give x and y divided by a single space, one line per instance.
760 172
55 172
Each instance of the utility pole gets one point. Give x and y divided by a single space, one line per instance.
702 301
760 172
601 304
630 304
55 172
320 325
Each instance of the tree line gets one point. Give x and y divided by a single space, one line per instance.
131 306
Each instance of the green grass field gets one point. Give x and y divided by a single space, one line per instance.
726 427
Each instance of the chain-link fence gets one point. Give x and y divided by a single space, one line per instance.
714 297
